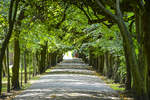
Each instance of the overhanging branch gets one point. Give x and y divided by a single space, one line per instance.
63 18
107 12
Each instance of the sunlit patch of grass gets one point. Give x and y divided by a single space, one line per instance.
48 70
115 86
24 85
35 77
4 89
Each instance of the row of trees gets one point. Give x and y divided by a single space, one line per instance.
132 20
104 51
31 37
105 31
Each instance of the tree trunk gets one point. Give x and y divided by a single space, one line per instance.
4 66
15 68
38 61
50 59
42 61
12 17
90 57
101 63
8 72
25 68
105 64
34 65
146 38
29 65
43 58
128 80
53 58
109 67
21 70
139 82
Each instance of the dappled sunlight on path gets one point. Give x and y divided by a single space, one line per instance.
69 80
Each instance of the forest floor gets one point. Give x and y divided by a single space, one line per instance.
69 80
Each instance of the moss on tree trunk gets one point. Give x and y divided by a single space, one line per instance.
15 69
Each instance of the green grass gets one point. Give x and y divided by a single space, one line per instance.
115 86
4 87
48 70
24 86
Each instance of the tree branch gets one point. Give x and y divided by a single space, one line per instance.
118 9
63 19
108 25
107 12
97 21
88 17
10 11
130 26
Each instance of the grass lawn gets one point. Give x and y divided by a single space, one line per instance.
12 93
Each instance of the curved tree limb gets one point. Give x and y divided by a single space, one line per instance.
107 12
63 18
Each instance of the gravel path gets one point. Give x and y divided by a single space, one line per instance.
69 80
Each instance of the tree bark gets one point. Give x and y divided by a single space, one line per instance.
29 65
101 63
5 65
38 61
146 43
8 72
105 64
43 58
21 70
139 83
34 65
50 59
110 65
129 77
25 67
12 17
15 68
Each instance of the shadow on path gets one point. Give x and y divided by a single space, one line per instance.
69 80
